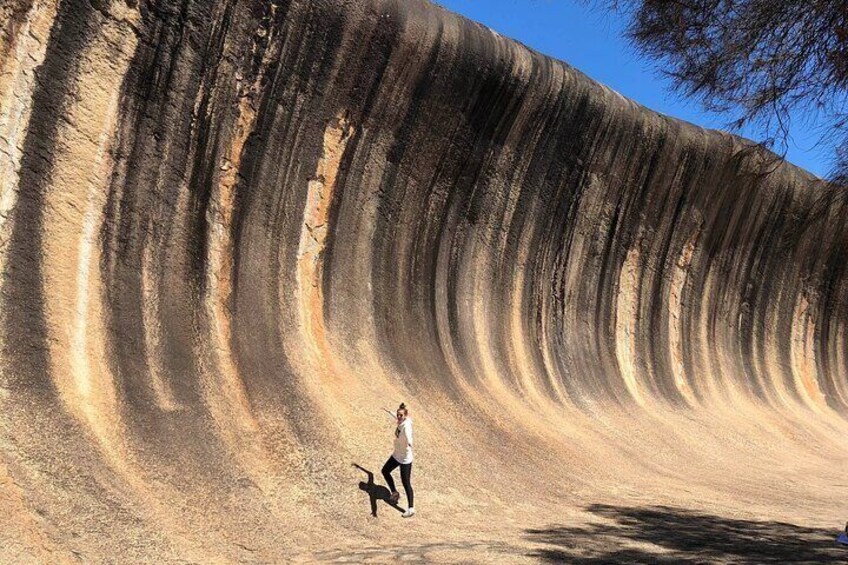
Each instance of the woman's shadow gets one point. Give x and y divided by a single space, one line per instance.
375 492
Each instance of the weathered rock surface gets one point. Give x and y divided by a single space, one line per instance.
232 231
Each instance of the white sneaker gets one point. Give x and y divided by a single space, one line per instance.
409 513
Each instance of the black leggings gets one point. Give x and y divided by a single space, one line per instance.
405 474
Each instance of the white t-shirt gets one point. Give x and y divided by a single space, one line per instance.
403 442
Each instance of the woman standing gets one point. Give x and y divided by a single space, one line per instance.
401 457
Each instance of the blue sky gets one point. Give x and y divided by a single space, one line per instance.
592 40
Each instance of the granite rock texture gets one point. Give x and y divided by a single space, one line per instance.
231 231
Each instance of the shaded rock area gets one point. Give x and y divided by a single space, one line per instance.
232 231
673 535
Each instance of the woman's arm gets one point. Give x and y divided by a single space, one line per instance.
408 431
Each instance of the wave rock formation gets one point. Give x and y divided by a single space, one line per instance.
231 231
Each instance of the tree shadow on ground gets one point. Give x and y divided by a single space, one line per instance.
662 534
375 492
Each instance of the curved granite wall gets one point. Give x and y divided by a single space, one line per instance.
231 231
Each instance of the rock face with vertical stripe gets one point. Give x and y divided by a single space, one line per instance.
232 231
